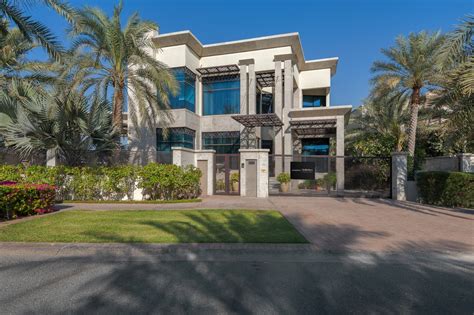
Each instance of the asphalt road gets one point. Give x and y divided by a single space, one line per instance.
247 281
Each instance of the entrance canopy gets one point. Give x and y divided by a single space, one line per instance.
319 121
313 127
259 120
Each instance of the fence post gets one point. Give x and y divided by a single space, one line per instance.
51 158
465 162
399 175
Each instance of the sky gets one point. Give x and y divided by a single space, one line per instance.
354 31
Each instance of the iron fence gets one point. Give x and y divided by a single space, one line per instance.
88 158
342 175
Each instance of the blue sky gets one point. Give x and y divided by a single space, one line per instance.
354 31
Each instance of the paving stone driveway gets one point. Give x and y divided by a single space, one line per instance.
350 224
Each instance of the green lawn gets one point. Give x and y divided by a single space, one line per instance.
145 226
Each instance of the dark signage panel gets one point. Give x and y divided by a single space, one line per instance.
302 170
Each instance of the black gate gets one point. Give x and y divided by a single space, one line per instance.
362 176
227 174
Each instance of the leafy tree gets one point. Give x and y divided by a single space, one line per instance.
121 58
410 68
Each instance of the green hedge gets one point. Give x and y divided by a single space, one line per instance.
25 199
159 181
451 189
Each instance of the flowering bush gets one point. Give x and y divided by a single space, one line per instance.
25 199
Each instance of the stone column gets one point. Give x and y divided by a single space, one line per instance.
51 158
278 106
243 89
261 156
184 156
252 89
340 154
208 155
399 175
466 163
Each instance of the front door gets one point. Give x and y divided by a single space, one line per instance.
227 174
251 178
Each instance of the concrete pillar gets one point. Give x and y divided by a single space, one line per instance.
466 162
184 156
340 154
252 89
288 85
51 158
243 90
261 156
278 106
399 175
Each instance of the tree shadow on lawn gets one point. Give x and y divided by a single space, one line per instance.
271 282
232 227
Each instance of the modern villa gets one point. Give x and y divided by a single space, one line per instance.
250 96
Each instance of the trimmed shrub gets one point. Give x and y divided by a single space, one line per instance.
25 199
160 181
451 189
168 181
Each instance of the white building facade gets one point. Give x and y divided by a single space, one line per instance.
257 96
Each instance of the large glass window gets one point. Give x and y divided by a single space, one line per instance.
176 137
221 96
222 142
314 100
186 97
264 102
317 146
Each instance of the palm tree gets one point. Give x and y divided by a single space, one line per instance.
455 98
14 10
383 120
410 69
61 121
121 58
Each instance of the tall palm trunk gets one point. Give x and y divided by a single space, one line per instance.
118 107
415 103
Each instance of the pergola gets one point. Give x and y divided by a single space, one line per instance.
252 121
313 127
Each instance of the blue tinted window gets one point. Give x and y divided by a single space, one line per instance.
314 100
222 142
221 97
176 137
318 146
186 97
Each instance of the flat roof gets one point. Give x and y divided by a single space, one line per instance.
257 43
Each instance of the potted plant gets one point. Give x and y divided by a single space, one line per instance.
284 180
234 179
319 183
330 180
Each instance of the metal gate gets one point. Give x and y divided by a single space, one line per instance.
227 174
362 176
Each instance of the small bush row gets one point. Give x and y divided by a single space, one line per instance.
158 181
451 189
25 199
